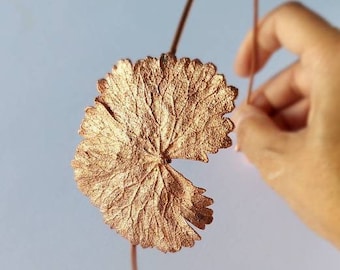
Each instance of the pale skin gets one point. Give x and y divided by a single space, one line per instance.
291 129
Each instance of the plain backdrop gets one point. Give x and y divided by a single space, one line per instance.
51 55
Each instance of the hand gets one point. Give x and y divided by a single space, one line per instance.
291 129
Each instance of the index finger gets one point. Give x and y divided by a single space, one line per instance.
292 26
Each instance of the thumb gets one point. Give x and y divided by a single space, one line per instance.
259 138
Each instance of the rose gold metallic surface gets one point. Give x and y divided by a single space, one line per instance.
147 114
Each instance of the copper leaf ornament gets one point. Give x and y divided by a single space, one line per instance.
147 114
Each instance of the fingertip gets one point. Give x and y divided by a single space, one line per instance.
256 133
241 68
244 56
242 112
242 64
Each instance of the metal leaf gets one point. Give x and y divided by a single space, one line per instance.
147 114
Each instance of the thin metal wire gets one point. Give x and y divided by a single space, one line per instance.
134 257
254 59
180 27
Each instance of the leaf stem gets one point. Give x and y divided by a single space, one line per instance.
180 27
134 257
254 59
